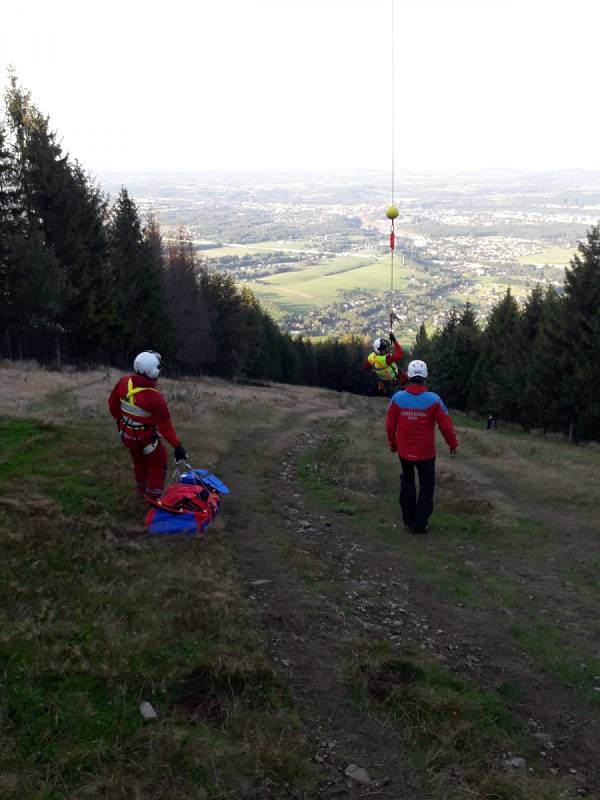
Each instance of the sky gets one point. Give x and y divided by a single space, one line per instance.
307 84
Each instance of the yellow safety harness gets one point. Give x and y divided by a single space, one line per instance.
128 407
384 371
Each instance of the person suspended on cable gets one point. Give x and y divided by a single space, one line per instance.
143 420
384 362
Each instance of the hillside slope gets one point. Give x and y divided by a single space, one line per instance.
308 631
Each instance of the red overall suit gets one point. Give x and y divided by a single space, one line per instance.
143 418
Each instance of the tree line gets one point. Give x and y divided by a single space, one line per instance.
87 281
534 365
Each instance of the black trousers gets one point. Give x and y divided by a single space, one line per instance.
417 510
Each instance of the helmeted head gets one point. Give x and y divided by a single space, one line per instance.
148 364
381 346
417 369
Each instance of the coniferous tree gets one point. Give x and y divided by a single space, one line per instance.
531 316
454 352
251 337
422 346
290 360
68 211
546 393
159 327
188 316
7 232
577 331
496 381
138 278
271 366
223 304
30 281
309 363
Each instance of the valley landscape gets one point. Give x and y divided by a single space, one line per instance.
314 247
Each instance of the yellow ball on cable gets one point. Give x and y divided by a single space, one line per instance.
391 212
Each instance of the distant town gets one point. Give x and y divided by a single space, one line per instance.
314 249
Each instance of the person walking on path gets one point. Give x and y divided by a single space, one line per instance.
410 423
143 418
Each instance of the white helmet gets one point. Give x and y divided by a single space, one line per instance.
381 346
148 364
417 369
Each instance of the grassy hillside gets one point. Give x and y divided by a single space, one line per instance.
307 631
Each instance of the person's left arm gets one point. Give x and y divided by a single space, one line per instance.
398 353
160 411
445 425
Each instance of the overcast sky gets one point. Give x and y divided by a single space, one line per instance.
307 83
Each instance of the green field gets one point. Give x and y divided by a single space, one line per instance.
322 283
551 255
253 248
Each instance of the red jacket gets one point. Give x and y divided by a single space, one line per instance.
142 414
410 423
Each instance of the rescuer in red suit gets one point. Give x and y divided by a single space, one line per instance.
143 419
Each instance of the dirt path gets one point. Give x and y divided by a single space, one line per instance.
281 544
304 629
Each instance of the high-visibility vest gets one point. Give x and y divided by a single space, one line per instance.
384 371
133 429
128 405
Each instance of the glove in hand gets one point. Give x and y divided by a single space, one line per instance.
180 454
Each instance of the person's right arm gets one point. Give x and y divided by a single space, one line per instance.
114 402
391 425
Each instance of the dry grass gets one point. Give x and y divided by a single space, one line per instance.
505 540
95 618
549 470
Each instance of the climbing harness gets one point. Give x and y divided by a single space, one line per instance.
132 427
387 373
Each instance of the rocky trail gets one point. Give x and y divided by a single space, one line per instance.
359 585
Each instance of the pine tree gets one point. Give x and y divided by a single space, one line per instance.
577 332
138 279
222 301
29 274
158 324
422 346
308 359
69 211
190 323
454 351
547 390
496 382
531 316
